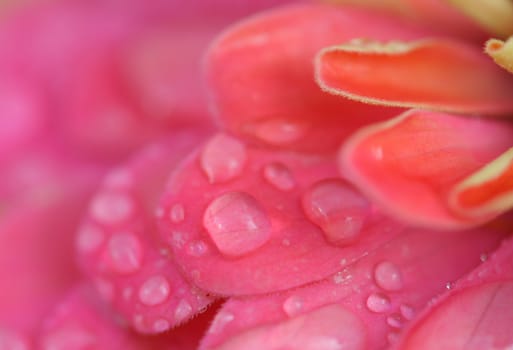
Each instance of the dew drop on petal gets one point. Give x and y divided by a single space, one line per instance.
395 321
111 208
407 312
119 178
223 158
220 321
196 248
161 325
388 276
378 303
278 175
237 223
177 213
154 291
339 210
69 337
125 252
183 311
293 305
279 132
89 239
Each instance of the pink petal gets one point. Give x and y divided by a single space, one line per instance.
374 297
475 314
436 74
120 251
261 76
408 165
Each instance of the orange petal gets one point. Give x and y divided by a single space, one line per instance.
496 16
487 192
501 52
408 165
433 73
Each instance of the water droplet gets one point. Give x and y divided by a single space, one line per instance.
237 223
159 212
388 276
343 276
161 325
292 305
407 312
278 131
483 257
337 208
177 213
183 311
177 239
278 175
395 321
154 291
448 285
119 178
378 303
392 338
69 337
89 239
220 321
286 242
125 253
111 208
105 289
223 158
197 248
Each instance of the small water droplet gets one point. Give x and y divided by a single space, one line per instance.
177 239
89 239
177 213
395 321
378 303
407 312
448 285
483 257
111 208
293 305
388 276
392 338
220 321
286 242
161 325
118 179
237 223
343 262
154 291
337 209
343 276
159 213
197 248
278 175
183 311
223 158
125 253
278 131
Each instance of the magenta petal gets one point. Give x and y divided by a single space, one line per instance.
381 292
120 251
475 314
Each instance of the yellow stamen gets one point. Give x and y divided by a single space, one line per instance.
501 52
496 16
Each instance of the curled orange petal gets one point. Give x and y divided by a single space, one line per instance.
410 164
501 52
432 73
488 192
496 16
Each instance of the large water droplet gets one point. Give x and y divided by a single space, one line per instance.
111 208
278 175
125 252
177 213
278 131
223 158
183 311
89 239
388 276
293 305
337 208
154 291
237 223
378 303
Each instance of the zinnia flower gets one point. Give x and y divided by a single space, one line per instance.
346 185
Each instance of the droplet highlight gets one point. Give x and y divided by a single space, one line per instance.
223 158
89 239
177 213
378 303
125 253
293 305
279 176
388 276
161 325
111 208
183 311
197 248
278 131
154 291
338 209
237 223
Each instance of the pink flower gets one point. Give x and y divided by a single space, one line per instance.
344 185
